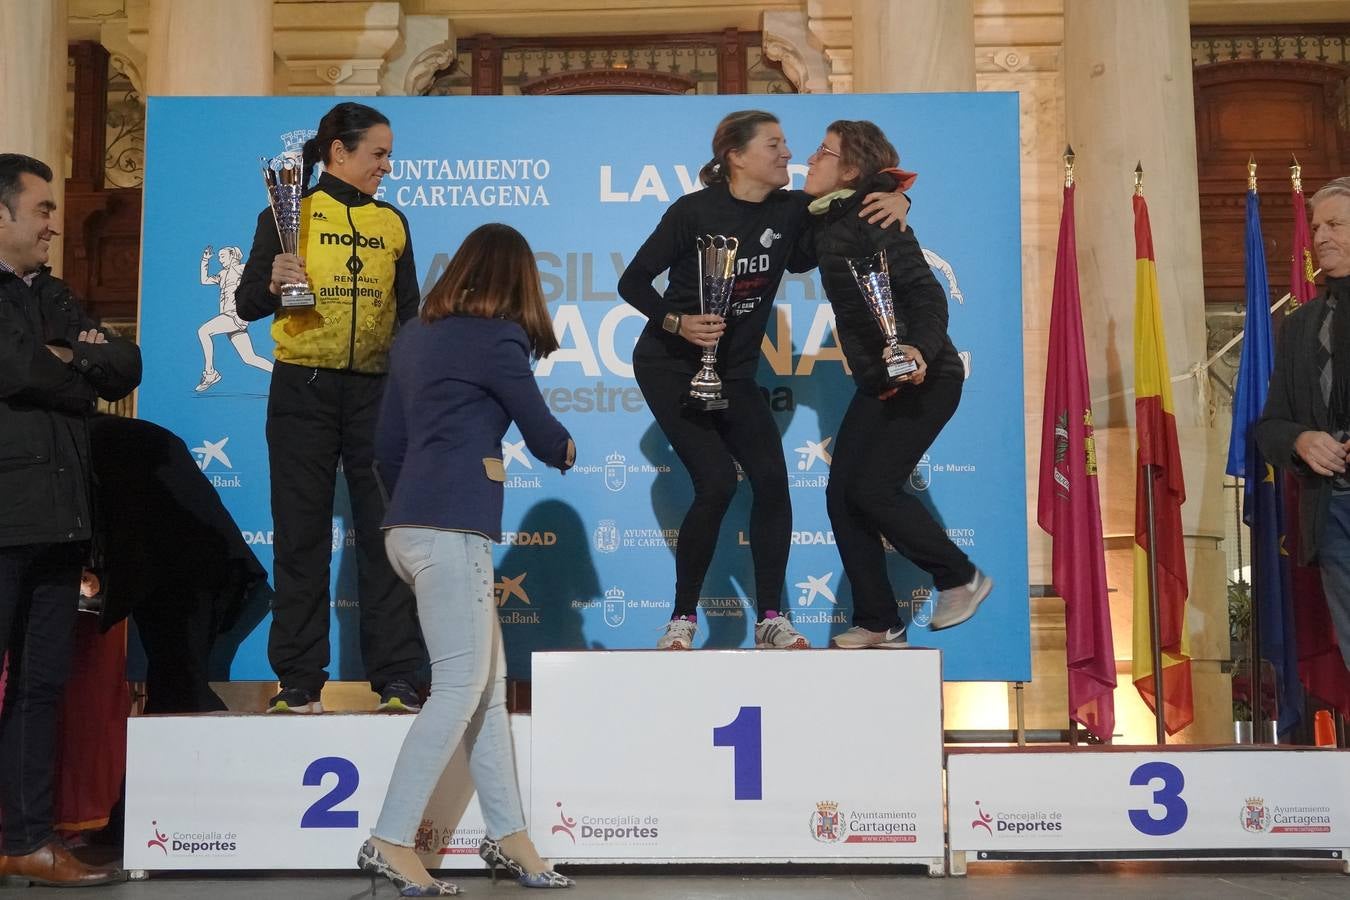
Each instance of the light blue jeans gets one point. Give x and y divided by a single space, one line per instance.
451 574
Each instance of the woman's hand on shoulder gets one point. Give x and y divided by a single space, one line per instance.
885 209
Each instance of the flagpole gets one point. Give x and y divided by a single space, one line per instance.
1302 260
1155 627
1254 653
1068 692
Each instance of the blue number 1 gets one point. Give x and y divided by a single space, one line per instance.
1168 797
322 814
742 734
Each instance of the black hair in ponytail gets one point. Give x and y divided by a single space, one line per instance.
733 133
346 122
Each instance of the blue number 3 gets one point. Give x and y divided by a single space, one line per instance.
322 814
1168 797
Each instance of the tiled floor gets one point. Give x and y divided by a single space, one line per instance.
1173 881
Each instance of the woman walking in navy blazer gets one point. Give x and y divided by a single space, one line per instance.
458 377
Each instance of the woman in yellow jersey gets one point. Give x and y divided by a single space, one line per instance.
356 256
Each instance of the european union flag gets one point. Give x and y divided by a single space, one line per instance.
1262 493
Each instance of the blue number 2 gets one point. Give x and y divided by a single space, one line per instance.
742 734
1168 797
322 814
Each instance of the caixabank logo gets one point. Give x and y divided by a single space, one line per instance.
192 844
816 602
513 603
515 457
214 462
813 464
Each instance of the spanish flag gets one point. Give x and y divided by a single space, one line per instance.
1156 427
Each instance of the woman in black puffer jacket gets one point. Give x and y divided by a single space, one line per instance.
887 428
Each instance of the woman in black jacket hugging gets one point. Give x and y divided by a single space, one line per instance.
887 428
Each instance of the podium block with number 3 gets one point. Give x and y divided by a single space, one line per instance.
759 756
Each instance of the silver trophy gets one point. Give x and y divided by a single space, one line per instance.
716 275
282 177
874 280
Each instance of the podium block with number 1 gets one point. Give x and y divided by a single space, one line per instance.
740 755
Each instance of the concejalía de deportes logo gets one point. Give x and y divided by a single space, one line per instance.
196 843
612 829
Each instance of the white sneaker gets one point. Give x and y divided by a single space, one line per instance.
779 633
679 635
957 604
859 638
209 377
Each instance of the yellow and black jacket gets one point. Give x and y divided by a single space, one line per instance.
359 257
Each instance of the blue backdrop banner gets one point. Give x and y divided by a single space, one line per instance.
588 559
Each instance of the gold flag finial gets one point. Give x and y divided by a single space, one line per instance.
1068 165
1296 174
1139 179
1251 172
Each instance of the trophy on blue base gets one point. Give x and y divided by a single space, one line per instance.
282 177
716 275
874 280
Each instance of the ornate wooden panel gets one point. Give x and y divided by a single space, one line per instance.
1270 110
723 62
102 226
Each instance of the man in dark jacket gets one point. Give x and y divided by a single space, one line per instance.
1306 423
54 361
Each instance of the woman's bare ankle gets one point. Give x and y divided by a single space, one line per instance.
404 860
520 848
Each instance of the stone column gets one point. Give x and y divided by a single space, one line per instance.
340 49
33 88
1128 99
209 48
913 45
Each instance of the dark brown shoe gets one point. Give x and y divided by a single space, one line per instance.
52 865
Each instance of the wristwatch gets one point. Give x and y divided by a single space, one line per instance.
671 322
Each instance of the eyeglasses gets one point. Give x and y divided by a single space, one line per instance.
823 149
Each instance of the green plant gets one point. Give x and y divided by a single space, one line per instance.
1239 633
1239 611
